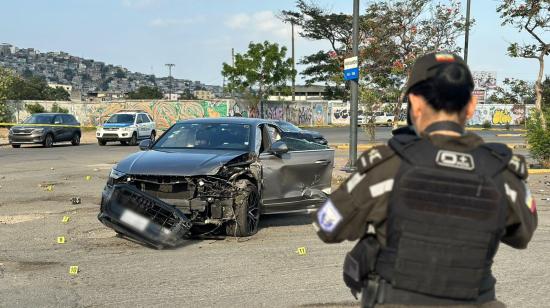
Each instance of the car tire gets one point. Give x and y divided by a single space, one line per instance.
75 140
153 135
101 142
246 209
16 146
124 143
133 140
48 141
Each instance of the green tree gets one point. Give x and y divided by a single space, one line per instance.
58 109
514 91
119 73
532 16
259 71
145 92
546 91
6 80
57 94
34 108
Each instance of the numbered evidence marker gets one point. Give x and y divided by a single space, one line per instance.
49 188
73 270
65 219
88 177
61 240
301 251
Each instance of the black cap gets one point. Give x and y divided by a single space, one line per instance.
426 66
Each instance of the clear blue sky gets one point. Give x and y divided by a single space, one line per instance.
197 35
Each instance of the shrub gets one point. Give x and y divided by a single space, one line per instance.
59 109
539 138
486 124
34 108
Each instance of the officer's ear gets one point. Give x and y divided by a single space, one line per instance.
471 107
418 104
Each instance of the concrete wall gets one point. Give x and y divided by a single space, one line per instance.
316 113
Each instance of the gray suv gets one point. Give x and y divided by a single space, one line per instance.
45 129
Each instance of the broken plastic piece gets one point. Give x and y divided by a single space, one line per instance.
75 200
73 270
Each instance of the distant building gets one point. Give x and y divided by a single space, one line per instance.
67 88
202 94
6 49
172 97
106 96
303 93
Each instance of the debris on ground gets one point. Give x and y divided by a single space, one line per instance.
75 200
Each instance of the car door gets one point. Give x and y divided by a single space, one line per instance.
286 177
143 126
59 131
68 130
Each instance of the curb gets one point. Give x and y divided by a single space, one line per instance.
539 171
345 146
495 129
517 145
510 135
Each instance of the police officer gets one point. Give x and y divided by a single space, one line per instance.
432 207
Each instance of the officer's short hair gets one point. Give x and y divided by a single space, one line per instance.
443 79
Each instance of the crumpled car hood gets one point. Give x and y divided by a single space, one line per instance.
312 133
188 162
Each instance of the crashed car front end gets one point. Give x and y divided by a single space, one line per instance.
164 210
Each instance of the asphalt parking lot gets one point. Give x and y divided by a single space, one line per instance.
36 185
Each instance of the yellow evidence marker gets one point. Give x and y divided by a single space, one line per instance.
73 270
65 219
301 251
61 240
88 177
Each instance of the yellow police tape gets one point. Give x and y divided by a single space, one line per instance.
47 125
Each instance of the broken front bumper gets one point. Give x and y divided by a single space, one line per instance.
131 212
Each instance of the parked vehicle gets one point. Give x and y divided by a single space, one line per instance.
291 130
127 127
213 176
379 118
46 129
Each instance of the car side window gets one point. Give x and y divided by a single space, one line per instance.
58 120
139 119
149 118
67 119
144 118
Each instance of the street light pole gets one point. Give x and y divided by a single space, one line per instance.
354 87
293 64
467 33
170 65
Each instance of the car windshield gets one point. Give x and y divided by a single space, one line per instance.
121 118
213 136
288 127
40 119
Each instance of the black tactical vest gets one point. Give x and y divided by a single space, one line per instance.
445 219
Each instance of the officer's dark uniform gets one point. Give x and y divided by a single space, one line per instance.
440 205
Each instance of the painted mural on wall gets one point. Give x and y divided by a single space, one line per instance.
500 114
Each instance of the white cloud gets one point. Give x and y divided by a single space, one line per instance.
172 22
238 21
262 22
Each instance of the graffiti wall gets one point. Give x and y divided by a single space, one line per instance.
500 114
298 113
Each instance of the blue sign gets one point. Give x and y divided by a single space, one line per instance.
351 74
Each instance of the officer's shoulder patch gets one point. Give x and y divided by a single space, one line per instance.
518 166
373 157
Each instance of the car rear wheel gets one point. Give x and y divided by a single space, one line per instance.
247 211
76 139
133 140
48 141
16 146
101 142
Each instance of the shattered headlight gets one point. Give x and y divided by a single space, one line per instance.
115 174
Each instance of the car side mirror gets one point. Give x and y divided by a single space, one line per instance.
146 144
278 148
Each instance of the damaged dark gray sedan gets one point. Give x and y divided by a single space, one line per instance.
213 176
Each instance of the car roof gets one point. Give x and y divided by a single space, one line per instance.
52 113
226 120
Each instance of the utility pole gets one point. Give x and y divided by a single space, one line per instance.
354 87
293 63
467 34
170 65
232 65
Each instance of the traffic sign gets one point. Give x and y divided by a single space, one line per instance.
351 68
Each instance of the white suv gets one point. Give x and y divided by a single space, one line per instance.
127 126
380 118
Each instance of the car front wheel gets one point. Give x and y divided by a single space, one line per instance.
247 211
48 141
16 146
133 140
101 142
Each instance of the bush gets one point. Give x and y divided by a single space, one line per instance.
486 124
59 109
539 138
34 108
